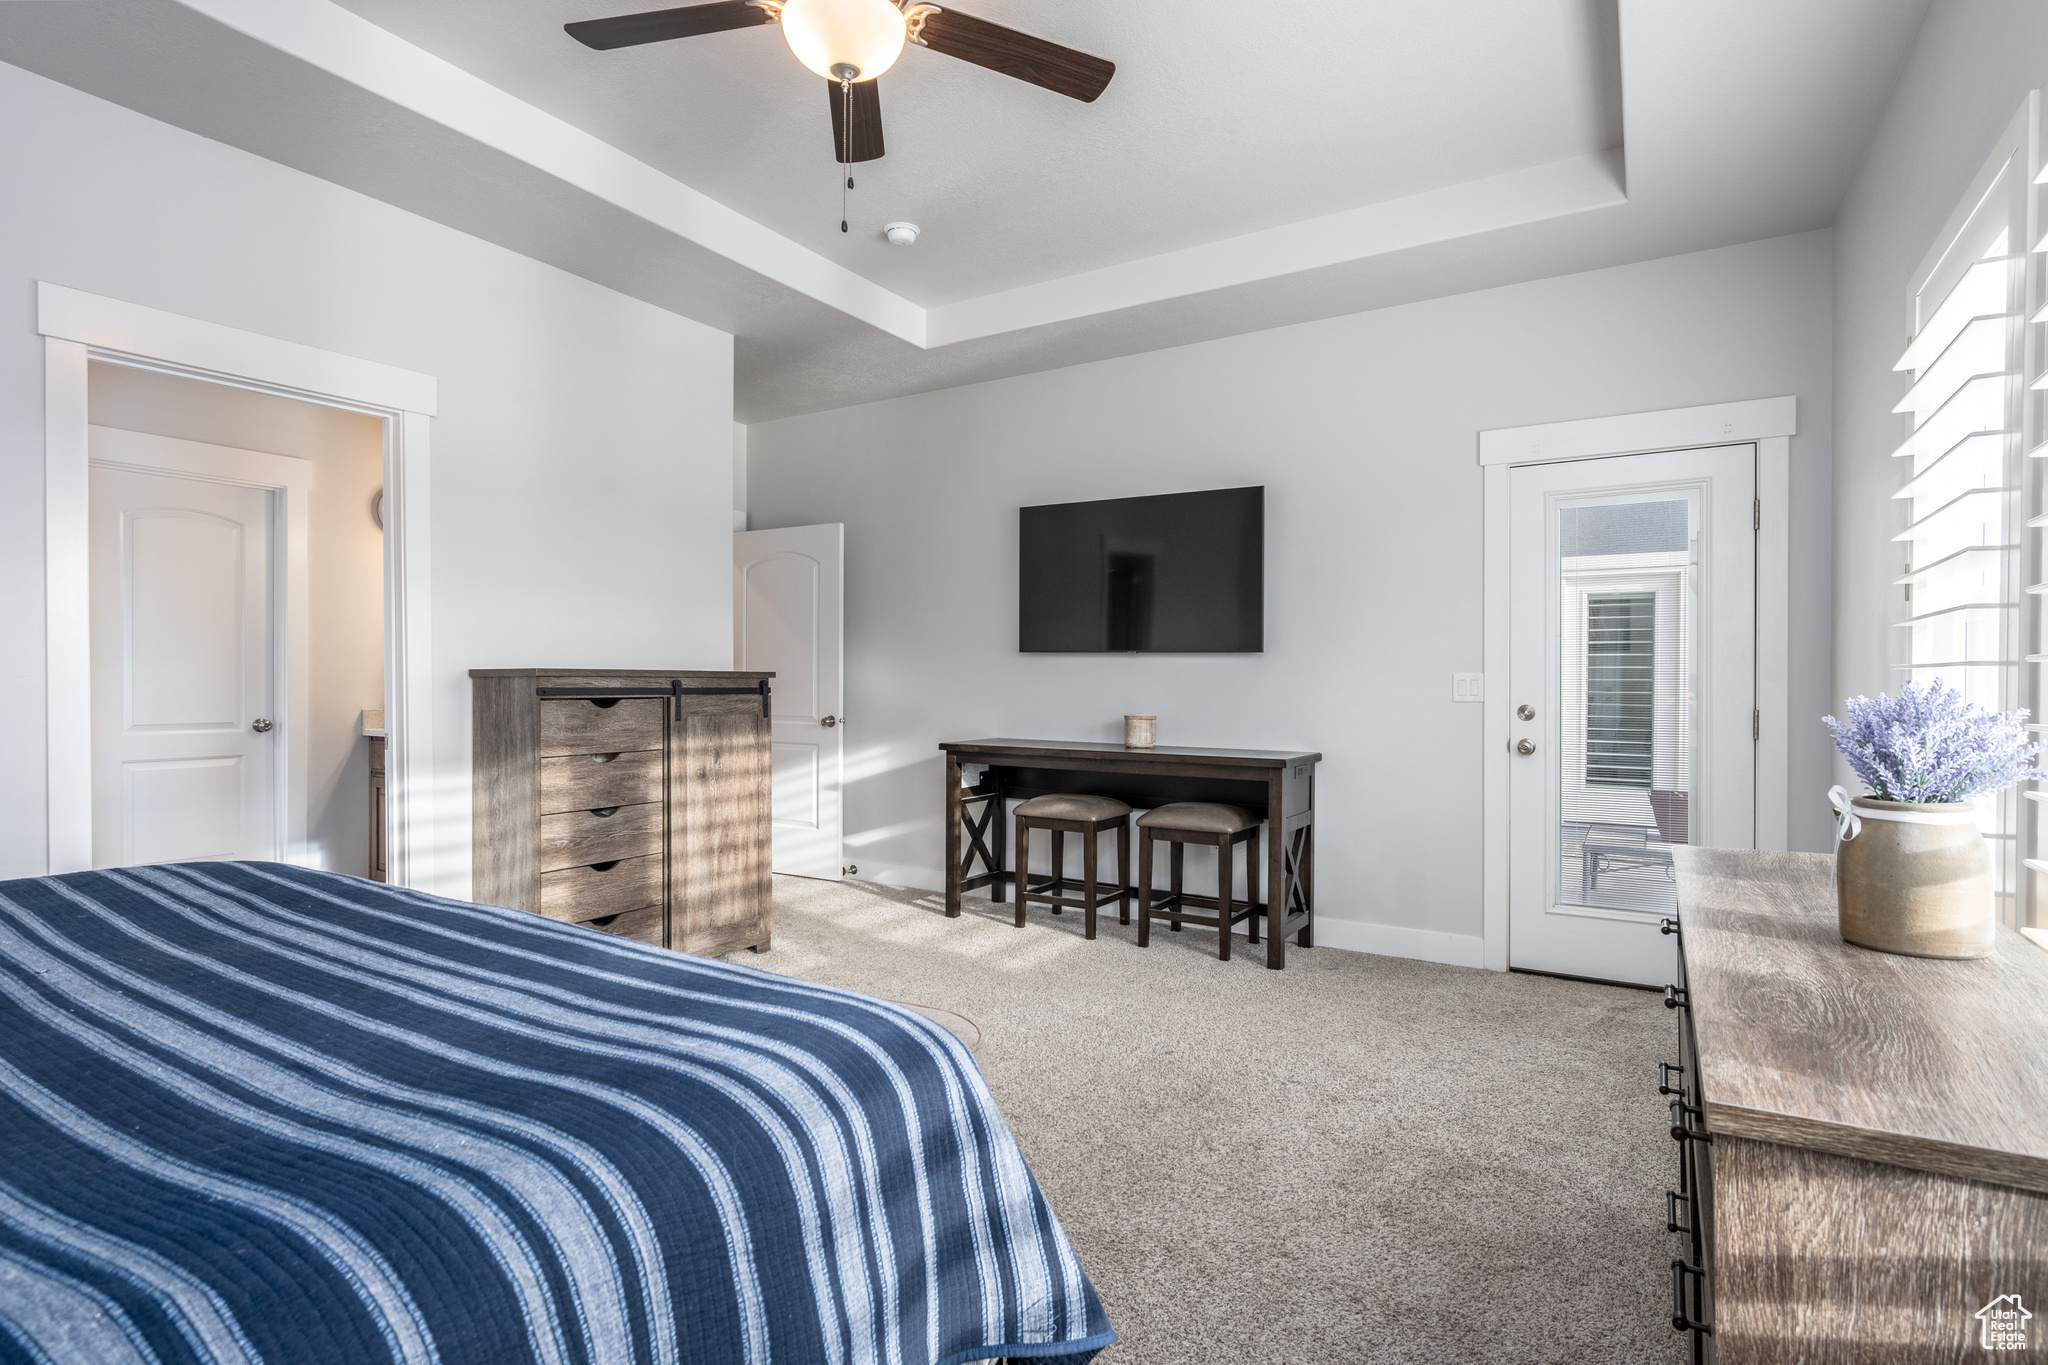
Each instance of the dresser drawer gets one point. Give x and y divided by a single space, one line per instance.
642 926
580 838
595 781
583 893
577 726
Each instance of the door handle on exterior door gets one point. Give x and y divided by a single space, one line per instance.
829 722
260 726
1526 747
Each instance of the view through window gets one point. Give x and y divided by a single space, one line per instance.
1626 579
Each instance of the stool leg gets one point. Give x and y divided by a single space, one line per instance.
1225 850
996 826
1023 856
1173 880
1251 890
1144 888
1123 873
1059 866
1089 851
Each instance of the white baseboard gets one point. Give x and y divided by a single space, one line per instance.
1393 940
1356 936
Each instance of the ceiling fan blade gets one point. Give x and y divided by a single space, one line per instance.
657 26
1058 69
867 121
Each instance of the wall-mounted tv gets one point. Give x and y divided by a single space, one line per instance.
1181 573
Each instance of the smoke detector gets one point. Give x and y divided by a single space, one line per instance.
901 234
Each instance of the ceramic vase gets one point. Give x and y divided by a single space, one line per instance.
1138 731
1915 878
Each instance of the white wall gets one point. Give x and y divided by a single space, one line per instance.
582 458
1973 64
739 476
344 567
1363 430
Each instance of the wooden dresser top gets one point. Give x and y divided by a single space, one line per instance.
1026 751
1812 1042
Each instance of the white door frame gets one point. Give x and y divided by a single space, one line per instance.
290 479
78 328
1768 422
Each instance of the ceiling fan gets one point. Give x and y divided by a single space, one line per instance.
852 42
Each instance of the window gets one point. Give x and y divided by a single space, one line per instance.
1621 688
1966 479
1626 657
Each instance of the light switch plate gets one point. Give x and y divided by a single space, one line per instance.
1468 687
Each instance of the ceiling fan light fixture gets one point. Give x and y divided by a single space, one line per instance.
830 35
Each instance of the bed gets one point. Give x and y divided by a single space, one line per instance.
251 1112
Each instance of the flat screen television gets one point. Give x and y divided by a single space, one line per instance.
1181 573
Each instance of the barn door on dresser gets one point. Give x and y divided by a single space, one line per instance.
788 619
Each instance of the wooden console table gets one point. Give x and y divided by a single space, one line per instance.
1863 1138
1277 784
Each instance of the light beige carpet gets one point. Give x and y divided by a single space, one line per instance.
1357 1159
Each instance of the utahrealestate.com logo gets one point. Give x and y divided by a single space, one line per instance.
2005 1321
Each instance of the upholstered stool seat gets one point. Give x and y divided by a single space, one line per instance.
1061 814
1199 822
1199 817
1063 807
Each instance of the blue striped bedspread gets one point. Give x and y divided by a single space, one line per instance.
254 1113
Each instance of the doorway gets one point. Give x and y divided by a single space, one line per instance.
237 623
789 619
189 635
1632 682
80 330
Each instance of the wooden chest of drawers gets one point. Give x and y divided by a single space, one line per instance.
633 802
1863 1138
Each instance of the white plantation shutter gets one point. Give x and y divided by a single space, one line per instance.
1967 587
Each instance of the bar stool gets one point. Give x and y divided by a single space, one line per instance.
1087 816
1199 822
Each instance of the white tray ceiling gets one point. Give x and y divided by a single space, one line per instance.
1250 166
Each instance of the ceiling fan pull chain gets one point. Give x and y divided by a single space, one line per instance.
845 144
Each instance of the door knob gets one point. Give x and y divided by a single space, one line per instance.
1526 711
1526 747
829 722
260 726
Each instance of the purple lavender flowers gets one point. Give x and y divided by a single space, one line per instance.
1928 744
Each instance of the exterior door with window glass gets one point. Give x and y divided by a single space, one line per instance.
1633 688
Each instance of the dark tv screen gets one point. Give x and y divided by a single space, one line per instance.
1181 573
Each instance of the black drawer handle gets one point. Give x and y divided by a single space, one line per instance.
604 704
604 867
1682 1131
605 812
1664 1074
1682 1319
1667 925
602 758
1672 1199
1677 998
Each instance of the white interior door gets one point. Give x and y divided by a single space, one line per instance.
1633 683
789 618
183 654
